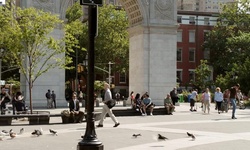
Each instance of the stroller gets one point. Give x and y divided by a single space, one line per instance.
224 106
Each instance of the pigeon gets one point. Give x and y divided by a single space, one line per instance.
21 131
160 137
53 132
12 135
36 132
191 135
3 133
136 135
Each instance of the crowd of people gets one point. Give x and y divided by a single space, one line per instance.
222 100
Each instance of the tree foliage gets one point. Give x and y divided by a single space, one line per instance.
229 45
112 40
202 74
231 22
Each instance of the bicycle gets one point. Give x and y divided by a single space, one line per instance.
242 105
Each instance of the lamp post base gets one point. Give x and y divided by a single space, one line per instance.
94 145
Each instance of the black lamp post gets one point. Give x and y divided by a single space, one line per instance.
90 141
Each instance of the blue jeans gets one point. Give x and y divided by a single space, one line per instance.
233 102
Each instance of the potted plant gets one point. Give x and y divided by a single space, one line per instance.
65 115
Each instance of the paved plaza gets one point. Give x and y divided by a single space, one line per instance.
213 131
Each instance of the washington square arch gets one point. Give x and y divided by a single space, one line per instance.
152 49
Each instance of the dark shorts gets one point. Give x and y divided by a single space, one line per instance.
192 102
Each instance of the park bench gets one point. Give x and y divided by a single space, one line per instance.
38 117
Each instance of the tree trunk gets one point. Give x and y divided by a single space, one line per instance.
30 95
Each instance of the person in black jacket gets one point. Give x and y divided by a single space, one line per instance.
5 98
174 95
75 114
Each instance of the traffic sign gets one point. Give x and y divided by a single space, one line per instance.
91 2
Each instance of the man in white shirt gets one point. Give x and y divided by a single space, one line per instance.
106 109
193 98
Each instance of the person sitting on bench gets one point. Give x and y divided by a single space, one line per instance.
5 98
169 105
76 115
147 103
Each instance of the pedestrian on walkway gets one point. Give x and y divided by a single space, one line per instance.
193 98
206 100
53 96
218 97
49 100
233 96
106 109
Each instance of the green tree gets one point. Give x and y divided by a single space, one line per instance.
202 74
112 41
32 47
231 22
73 39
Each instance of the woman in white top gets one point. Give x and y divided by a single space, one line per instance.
206 100
218 97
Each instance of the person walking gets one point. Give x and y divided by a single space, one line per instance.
106 109
233 95
53 96
206 100
193 98
218 97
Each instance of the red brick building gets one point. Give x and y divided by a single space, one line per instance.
191 34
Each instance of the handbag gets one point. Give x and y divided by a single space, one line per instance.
111 103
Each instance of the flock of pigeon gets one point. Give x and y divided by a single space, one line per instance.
161 137
40 132
12 134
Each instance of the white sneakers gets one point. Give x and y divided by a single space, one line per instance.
146 114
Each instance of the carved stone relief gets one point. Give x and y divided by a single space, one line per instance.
46 5
53 6
164 9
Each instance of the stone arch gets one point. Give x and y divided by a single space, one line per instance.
152 50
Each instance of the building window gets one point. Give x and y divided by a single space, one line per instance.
179 36
191 54
206 54
122 78
191 20
191 36
179 19
191 75
179 76
206 21
179 54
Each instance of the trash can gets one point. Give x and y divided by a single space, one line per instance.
124 103
97 102
181 98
